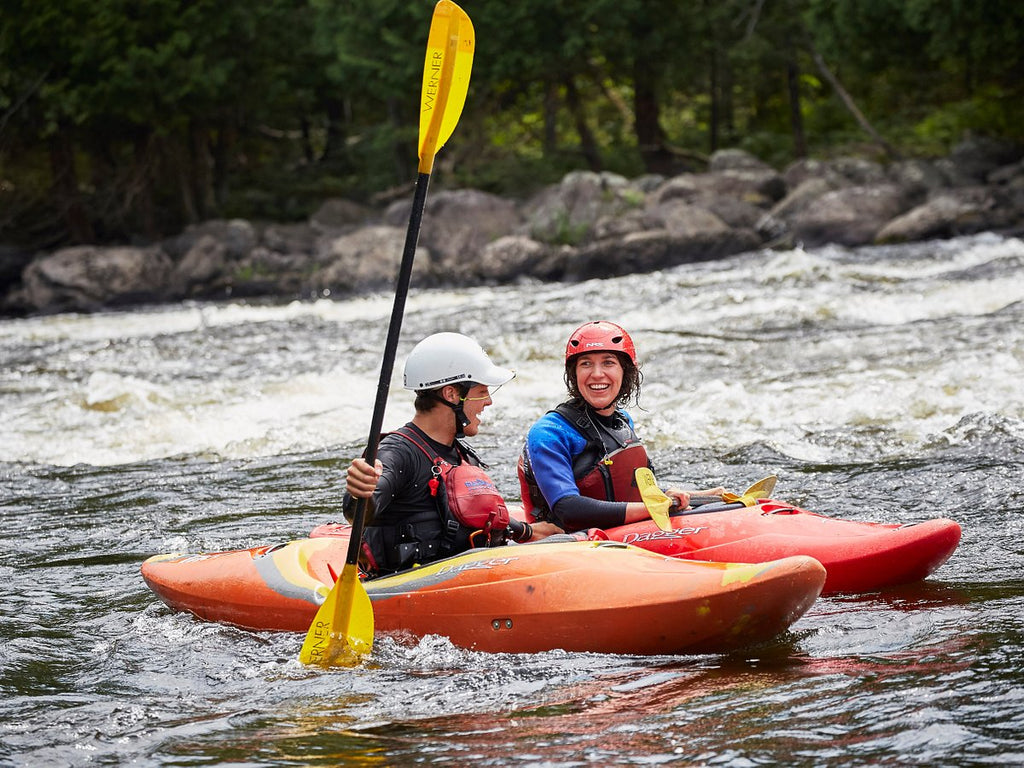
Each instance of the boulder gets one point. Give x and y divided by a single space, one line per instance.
511 259
339 215
654 250
87 278
952 212
850 216
457 225
238 237
369 259
566 213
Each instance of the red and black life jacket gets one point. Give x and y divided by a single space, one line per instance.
472 514
465 493
603 470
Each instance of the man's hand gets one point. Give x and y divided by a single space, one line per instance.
361 479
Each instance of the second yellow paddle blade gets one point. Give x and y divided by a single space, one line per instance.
762 489
342 630
450 47
654 498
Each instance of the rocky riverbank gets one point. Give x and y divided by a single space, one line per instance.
589 225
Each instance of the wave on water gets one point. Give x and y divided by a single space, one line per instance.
818 354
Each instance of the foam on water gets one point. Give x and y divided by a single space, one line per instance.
776 347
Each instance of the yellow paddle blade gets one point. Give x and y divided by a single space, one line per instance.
342 630
654 498
760 490
450 47
763 488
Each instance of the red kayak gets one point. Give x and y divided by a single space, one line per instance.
858 556
590 596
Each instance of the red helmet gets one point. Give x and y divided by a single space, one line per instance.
599 336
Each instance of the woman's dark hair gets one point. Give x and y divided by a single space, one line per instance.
632 378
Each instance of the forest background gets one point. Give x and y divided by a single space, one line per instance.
126 122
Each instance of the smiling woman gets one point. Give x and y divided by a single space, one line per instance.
577 468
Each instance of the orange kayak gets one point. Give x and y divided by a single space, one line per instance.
595 596
858 556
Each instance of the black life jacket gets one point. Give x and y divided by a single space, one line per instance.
603 470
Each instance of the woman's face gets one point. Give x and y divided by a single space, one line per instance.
599 378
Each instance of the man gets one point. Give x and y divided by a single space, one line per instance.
417 512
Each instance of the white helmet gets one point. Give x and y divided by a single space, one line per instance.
450 358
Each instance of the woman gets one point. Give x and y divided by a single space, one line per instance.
577 468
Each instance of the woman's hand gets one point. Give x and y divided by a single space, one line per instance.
682 498
709 492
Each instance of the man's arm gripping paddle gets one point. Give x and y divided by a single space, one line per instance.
342 630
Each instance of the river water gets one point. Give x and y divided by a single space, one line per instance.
879 384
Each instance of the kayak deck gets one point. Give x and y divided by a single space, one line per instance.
603 597
858 556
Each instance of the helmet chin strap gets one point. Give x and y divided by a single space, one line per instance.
461 421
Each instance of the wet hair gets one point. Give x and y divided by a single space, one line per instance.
632 378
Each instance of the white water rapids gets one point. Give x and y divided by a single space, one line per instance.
878 383
783 348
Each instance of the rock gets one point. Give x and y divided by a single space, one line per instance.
338 214
512 258
917 174
457 225
291 238
679 218
199 268
799 171
977 156
961 211
658 249
368 260
1011 176
752 186
589 225
237 235
858 171
566 213
850 216
804 195
736 160
87 278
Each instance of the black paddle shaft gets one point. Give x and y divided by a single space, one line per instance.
387 365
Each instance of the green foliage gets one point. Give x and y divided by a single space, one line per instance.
119 119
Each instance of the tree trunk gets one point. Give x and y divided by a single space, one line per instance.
796 117
221 165
202 171
850 105
142 185
551 102
66 195
591 152
713 87
650 137
335 139
176 156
